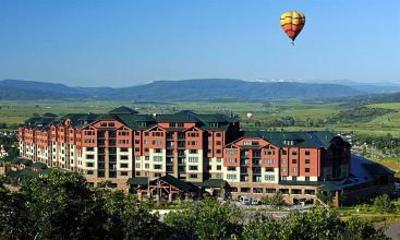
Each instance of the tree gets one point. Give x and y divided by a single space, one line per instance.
317 224
358 229
274 200
383 204
262 229
62 207
207 219
14 221
126 219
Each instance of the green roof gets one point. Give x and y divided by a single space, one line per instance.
214 183
181 185
142 181
26 162
300 183
137 121
122 110
39 165
182 116
133 120
319 139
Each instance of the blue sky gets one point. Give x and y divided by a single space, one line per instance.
121 43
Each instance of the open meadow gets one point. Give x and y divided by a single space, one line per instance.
290 115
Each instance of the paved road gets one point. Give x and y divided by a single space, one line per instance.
393 231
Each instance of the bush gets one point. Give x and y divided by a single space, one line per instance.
274 200
383 204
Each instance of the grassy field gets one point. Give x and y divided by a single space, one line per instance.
15 112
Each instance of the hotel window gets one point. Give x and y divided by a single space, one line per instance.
193 159
89 172
146 150
219 160
284 170
193 151
124 149
124 173
307 161
294 178
89 164
219 167
147 166
231 151
218 151
124 165
157 150
294 153
284 178
247 143
294 161
231 176
219 143
137 165
157 166
307 153
124 157
294 170
307 179
269 178
147 158
270 161
193 175
269 169
284 152
89 156
231 168
218 134
307 170
193 168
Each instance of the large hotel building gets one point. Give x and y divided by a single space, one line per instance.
124 144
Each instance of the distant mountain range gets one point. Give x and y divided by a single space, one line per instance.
189 90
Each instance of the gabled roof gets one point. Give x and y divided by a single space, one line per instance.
106 117
122 110
40 122
81 119
137 121
214 183
181 185
316 139
182 116
140 181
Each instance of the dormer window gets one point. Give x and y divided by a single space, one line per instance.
213 124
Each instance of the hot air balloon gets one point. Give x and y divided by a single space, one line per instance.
292 23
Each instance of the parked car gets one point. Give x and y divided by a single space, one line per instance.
255 202
244 200
396 193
